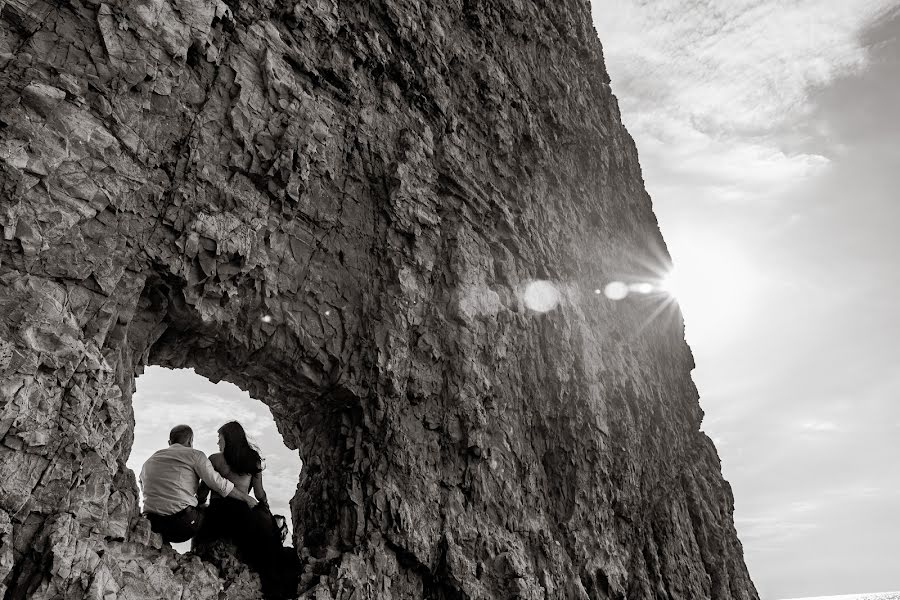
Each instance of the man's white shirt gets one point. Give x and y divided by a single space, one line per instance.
170 478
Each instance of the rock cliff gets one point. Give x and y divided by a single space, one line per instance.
339 207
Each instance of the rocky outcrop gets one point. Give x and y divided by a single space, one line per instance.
340 207
240 583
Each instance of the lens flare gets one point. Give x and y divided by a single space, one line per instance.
641 288
541 296
615 290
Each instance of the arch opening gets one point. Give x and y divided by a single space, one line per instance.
292 378
166 397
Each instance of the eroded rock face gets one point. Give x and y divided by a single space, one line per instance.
240 583
339 209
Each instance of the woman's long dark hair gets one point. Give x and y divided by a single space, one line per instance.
239 454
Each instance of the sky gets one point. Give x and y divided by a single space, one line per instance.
768 137
767 132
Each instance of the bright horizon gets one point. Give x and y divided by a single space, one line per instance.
892 595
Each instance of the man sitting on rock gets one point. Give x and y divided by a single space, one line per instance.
169 480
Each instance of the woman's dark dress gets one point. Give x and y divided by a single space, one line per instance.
254 532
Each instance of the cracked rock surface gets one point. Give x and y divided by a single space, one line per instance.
339 207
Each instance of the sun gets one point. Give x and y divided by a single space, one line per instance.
672 284
714 284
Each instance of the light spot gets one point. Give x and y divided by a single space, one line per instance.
641 288
327 312
541 296
598 291
266 318
615 290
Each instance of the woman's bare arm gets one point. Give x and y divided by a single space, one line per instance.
202 492
258 489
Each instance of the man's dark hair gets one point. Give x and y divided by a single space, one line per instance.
181 434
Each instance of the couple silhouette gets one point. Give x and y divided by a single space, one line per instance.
176 482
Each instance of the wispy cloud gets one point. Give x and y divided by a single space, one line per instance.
775 530
787 519
820 426
710 91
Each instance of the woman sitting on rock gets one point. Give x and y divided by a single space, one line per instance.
254 531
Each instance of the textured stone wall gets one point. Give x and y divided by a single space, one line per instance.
337 207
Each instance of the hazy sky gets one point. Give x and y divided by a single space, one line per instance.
768 135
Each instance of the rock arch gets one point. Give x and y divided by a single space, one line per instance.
336 207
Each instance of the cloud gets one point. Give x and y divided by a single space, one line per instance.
772 530
710 92
820 426
785 519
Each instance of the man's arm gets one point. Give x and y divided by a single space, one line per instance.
210 477
236 493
